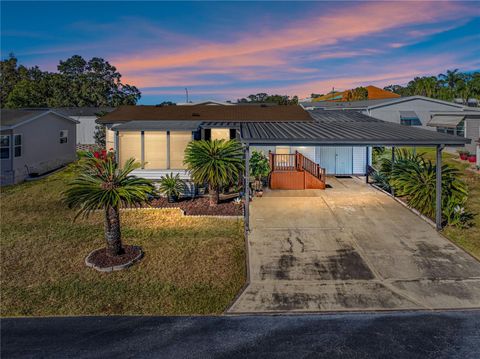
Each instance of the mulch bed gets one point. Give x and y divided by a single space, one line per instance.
99 258
201 206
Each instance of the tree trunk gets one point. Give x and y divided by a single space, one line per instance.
113 235
218 195
212 196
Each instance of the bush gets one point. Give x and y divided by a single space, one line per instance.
414 178
259 165
172 186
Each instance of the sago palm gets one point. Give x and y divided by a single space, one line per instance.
416 179
217 163
102 185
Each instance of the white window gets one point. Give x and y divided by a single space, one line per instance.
63 136
17 145
5 147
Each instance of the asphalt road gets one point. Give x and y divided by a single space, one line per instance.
393 335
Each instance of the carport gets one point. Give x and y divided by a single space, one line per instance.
350 129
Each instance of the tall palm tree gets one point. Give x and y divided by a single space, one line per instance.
450 78
217 163
102 185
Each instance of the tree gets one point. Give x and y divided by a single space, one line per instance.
217 163
259 166
449 86
78 82
102 185
450 78
263 97
357 94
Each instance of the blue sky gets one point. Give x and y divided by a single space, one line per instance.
227 50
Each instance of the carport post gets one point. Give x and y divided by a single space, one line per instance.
247 188
392 190
366 165
438 194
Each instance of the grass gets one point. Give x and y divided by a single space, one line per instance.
466 238
191 265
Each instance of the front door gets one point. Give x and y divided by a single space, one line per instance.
336 160
343 161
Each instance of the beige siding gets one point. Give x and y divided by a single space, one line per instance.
130 146
155 154
178 142
109 139
220 134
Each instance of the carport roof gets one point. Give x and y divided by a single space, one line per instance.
343 128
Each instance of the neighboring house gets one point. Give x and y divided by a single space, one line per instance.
342 105
86 117
460 123
411 110
207 102
335 140
34 142
374 93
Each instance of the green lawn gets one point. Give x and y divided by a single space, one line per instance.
467 238
191 265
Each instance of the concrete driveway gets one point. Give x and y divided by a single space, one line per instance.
349 248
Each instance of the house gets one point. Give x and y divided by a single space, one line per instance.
33 142
460 123
86 117
374 93
416 111
304 147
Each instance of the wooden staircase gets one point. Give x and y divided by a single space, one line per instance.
295 171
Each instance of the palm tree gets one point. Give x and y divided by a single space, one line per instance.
450 78
102 185
217 163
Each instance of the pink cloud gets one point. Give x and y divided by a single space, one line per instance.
278 48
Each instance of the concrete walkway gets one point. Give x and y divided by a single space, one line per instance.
350 248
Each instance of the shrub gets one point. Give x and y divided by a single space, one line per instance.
172 186
259 166
414 178
217 163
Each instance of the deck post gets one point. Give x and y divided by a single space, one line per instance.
392 190
247 188
438 194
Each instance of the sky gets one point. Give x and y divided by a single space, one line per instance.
228 50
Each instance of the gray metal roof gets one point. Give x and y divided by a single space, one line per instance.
10 118
343 128
157 125
342 105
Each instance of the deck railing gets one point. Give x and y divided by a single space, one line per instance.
296 162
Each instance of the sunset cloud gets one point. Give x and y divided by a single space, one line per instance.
227 50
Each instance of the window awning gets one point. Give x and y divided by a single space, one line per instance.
445 121
408 114
157 126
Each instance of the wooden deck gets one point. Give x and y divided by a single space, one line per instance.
295 171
